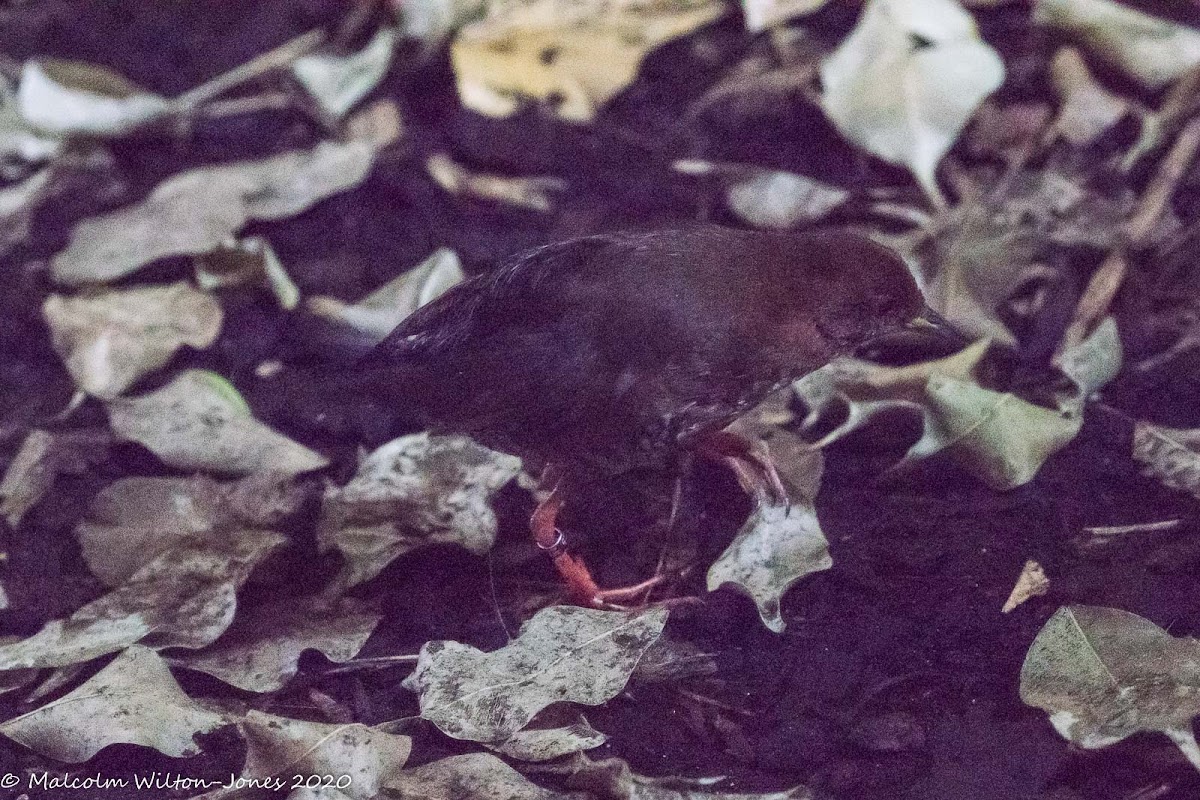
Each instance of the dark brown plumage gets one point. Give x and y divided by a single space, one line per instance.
617 351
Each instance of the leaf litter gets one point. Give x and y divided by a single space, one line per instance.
1005 253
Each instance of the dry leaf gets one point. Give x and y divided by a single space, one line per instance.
535 194
248 261
1149 49
767 198
763 14
1172 455
199 421
197 211
556 731
475 776
42 458
184 598
1032 582
71 97
337 83
1088 110
432 21
261 651
17 204
906 80
382 310
414 491
20 144
130 522
575 56
778 545
134 700
367 759
563 654
110 339
1104 674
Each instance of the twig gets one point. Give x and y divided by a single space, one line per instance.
269 61
379 662
1140 527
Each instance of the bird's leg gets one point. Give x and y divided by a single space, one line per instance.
581 587
749 460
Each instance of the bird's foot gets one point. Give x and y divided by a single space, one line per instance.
750 462
583 590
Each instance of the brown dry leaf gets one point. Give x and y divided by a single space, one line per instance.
414 491
1104 674
475 776
563 654
134 700
1172 455
261 651
110 339
536 194
248 261
1088 110
42 458
130 522
573 55
199 421
906 81
1032 582
1151 50
382 310
184 598
197 211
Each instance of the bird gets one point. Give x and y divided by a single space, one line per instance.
627 350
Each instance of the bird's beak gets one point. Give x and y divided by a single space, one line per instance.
932 325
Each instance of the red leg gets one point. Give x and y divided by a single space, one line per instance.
581 587
749 460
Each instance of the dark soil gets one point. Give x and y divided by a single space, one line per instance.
897 675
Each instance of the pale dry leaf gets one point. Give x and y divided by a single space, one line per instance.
906 80
778 545
1104 674
338 83
475 776
134 700
110 339
74 98
197 211
612 779
1171 455
277 746
412 492
20 144
767 198
1151 50
261 650
1032 582
574 56
563 654
382 310
434 20
184 598
199 421
1088 110
536 193
763 14
556 731
133 520
252 261
42 458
